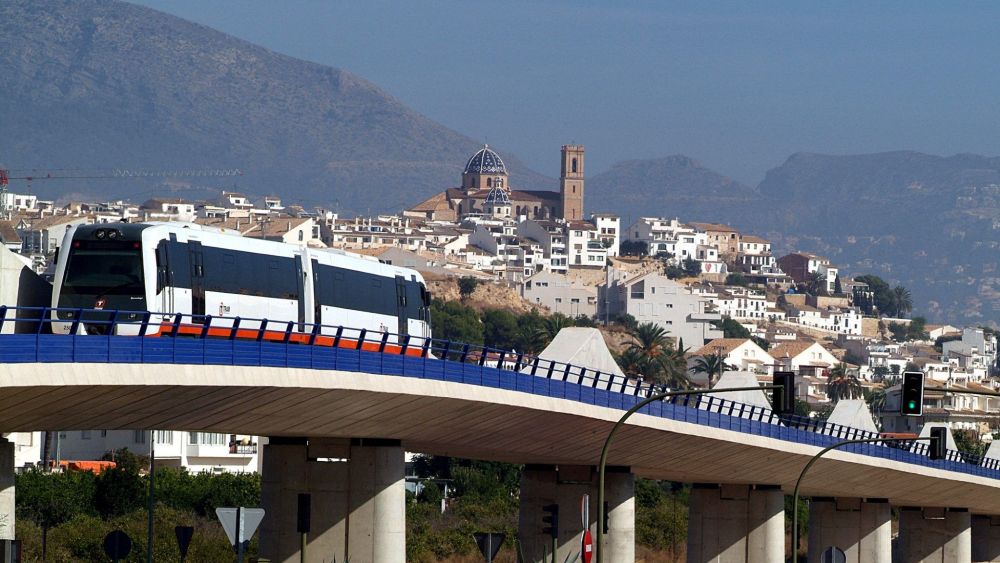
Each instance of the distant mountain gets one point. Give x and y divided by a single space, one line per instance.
671 186
928 222
100 84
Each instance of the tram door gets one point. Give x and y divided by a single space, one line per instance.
300 275
401 305
317 302
197 256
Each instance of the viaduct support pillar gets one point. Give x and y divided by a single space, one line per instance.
935 535
736 524
6 490
986 538
861 528
565 485
358 499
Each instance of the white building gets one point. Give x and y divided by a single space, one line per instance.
195 451
608 231
560 294
654 298
742 354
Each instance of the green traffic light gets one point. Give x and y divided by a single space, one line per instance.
912 404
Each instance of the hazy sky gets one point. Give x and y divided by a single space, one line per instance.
738 87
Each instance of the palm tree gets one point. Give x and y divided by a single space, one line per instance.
550 328
903 301
816 283
842 385
662 363
711 365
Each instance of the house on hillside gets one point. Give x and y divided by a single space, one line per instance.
742 354
655 298
803 357
799 265
560 294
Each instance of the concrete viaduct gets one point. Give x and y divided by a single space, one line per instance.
340 420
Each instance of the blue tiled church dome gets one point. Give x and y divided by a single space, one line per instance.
485 161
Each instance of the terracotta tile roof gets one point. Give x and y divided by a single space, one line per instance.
726 344
714 227
789 349
754 238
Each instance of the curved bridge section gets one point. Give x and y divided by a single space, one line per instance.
560 415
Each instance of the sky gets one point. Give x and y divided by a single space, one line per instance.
739 86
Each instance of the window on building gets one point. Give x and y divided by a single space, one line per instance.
207 438
573 167
85 434
139 436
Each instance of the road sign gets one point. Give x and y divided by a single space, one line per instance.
184 534
249 519
117 545
587 547
833 554
489 544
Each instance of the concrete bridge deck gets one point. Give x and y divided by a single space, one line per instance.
52 382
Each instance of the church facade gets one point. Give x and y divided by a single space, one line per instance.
485 191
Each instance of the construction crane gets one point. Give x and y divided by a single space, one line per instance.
82 174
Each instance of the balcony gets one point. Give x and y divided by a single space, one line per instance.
236 448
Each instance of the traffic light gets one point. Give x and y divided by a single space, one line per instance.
939 443
912 394
551 519
783 398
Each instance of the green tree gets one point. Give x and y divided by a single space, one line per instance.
663 364
968 443
902 301
712 365
50 499
731 328
121 490
737 278
550 328
838 289
455 321
884 298
500 329
692 268
466 286
633 248
841 384
917 329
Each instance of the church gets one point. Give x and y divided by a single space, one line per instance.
486 191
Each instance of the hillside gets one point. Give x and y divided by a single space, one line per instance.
671 186
96 84
929 222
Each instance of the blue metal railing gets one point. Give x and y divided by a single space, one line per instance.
207 340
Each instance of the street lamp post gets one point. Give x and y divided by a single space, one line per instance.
815 458
614 430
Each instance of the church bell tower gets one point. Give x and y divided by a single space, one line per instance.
571 183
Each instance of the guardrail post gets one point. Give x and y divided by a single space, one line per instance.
500 361
517 362
534 366
3 316
235 329
425 351
552 367
206 324
288 331
77 315
465 353
447 349
338 336
41 320
314 334
385 340
112 325
361 339
177 325
144 325
262 330
483 352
